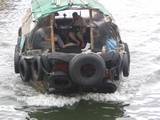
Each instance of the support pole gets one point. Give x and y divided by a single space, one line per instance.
52 20
91 31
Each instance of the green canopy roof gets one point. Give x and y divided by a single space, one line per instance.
42 8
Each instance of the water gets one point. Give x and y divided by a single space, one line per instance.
138 97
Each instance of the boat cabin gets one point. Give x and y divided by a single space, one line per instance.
52 32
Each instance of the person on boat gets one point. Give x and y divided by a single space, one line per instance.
108 33
41 37
78 30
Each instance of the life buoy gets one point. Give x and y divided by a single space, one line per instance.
87 69
36 69
24 70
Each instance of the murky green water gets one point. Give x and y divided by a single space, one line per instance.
82 111
138 97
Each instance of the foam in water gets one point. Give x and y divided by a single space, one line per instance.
9 112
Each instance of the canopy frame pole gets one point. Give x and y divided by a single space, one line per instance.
91 30
52 20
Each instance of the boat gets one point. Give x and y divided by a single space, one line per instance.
47 57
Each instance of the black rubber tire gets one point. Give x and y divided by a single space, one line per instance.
16 60
128 52
36 69
125 66
108 87
126 61
116 74
79 62
45 63
24 70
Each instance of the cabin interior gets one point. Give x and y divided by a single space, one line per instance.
60 24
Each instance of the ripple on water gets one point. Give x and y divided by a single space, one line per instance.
8 112
146 103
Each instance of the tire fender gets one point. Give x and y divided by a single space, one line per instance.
126 61
16 60
36 69
24 70
87 69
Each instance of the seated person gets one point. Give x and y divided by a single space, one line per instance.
78 29
42 40
41 37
